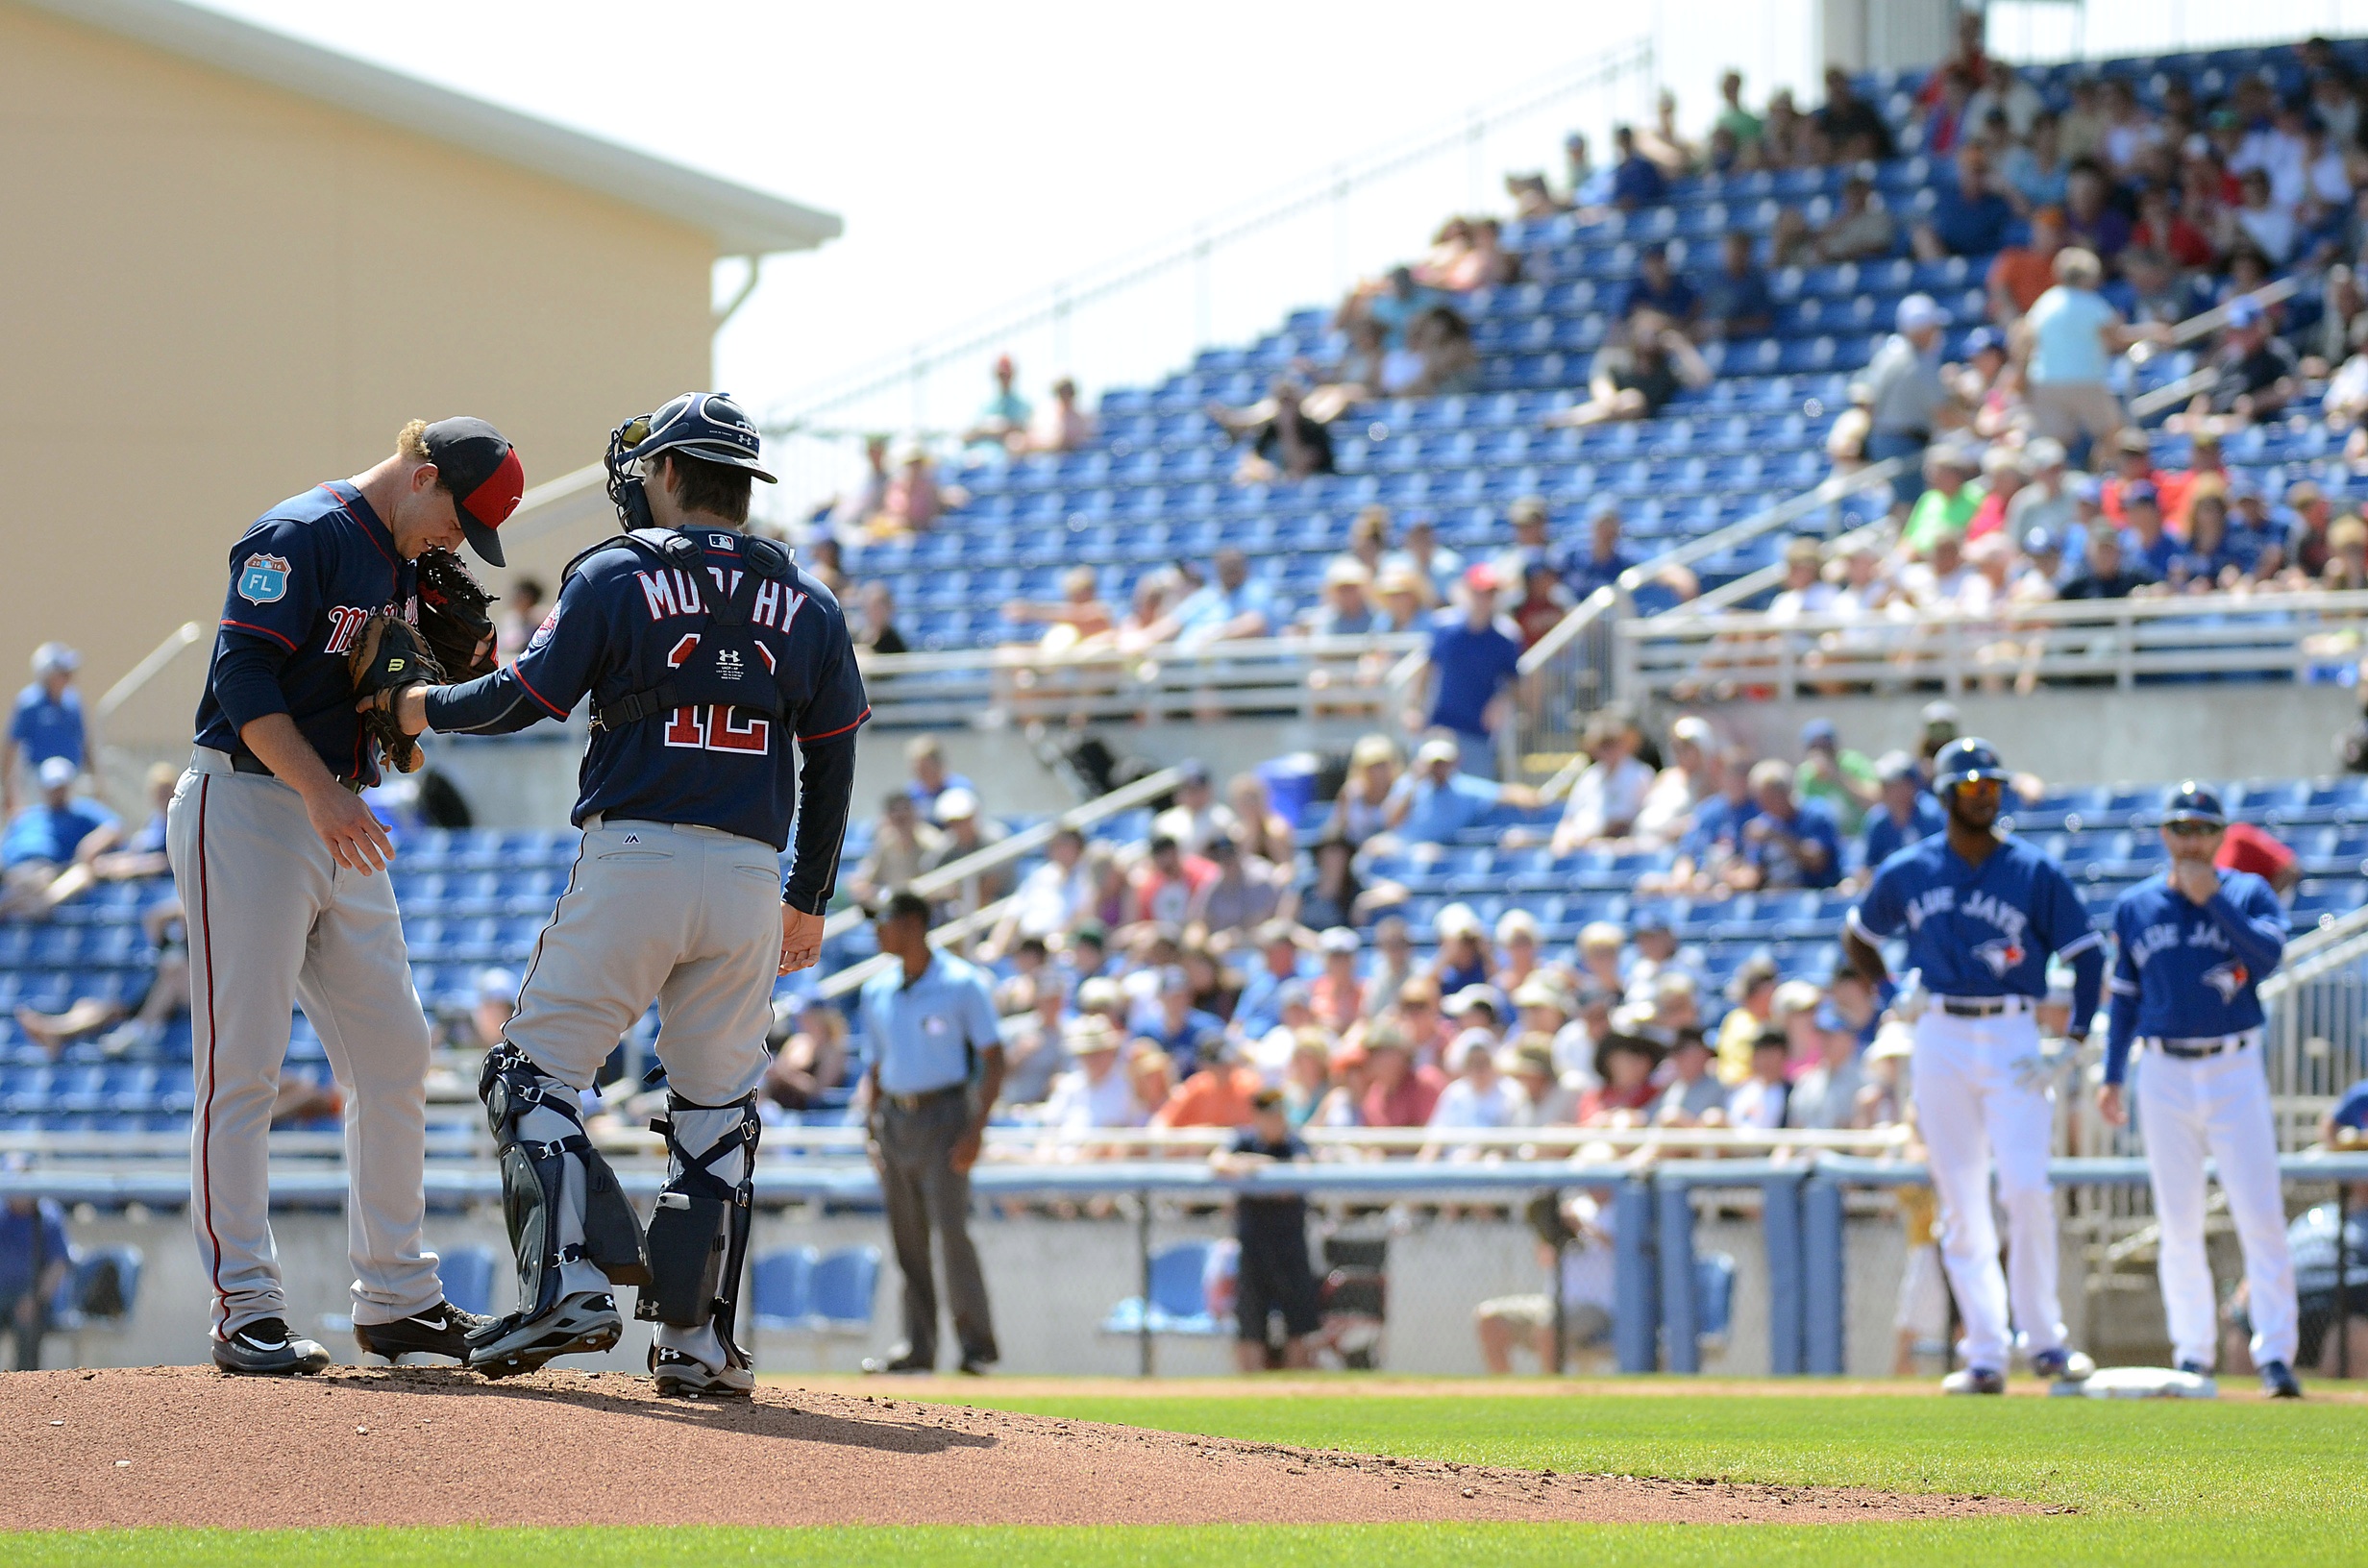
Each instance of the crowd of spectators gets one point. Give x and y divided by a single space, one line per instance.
1167 981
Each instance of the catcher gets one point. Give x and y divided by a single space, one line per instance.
276 858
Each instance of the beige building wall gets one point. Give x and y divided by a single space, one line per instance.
218 294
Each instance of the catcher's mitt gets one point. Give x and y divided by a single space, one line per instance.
452 615
386 660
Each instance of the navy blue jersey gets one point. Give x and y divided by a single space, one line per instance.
2187 971
625 620
1977 931
302 580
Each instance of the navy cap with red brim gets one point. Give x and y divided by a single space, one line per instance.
481 470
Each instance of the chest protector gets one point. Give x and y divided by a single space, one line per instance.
726 666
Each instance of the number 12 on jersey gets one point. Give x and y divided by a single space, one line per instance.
718 728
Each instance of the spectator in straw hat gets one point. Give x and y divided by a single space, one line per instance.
1094 1093
1549 1098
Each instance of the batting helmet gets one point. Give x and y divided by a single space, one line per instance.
2192 802
1964 761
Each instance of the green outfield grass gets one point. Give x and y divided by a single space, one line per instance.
2155 1485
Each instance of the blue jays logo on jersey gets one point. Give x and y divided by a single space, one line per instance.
2228 979
2000 954
264 580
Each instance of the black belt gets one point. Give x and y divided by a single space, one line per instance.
243 762
910 1103
2196 1050
1982 1007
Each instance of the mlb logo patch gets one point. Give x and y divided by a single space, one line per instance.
264 580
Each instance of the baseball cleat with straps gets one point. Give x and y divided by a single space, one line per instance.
265 1348
2063 1366
442 1330
582 1324
679 1376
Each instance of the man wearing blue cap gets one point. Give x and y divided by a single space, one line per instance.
2195 943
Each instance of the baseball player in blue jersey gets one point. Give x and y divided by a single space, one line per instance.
2195 943
705 651
1980 913
275 856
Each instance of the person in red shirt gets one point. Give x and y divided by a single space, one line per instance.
1166 883
2134 462
2245 847
1544 601
1218 1095
1401 1095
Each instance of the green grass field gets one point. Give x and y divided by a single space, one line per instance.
2154 1485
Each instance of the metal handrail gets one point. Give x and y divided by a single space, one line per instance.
2314 952
1003 852
147 669
1028 656
1040 307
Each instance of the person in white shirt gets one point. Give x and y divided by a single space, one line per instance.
1479 1096
1093 1094
1939 582
1051 899
1756 1104
1805 592
1690 777
1197 816
1608 795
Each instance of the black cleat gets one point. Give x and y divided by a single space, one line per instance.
443 1330
265 1348
585 1323
2277 1380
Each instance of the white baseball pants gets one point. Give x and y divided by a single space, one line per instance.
1973 1114
2218 1105
275 920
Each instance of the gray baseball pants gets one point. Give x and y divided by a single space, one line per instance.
274 922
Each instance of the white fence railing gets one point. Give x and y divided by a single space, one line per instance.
2115 643
1003 687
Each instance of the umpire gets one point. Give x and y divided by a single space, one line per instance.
932 1068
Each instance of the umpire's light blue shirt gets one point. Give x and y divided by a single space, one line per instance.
921 1037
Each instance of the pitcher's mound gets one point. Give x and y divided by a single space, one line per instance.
436 1446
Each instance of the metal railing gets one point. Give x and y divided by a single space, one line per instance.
1149 309
2317 1037
1015 685
963 876
2116 642
1569 671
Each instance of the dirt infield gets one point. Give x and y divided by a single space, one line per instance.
418 1446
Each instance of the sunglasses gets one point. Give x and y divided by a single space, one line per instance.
1979 786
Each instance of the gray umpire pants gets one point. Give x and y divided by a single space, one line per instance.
274 920
925 1192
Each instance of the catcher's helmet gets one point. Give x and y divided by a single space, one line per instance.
2192 802
1963 761
704 425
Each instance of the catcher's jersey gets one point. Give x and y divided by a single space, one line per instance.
2195 969
623 621
303 578
1983 931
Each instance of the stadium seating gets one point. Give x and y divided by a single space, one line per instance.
1155 484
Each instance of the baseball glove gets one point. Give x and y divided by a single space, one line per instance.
386 660
452 616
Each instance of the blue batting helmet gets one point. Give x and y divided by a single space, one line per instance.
1963 761
2192 802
